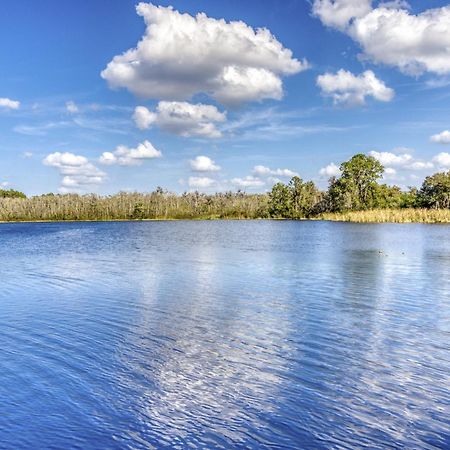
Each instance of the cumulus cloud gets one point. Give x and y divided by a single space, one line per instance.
400 161
392 159
262 176
9 104
442 160
203 164
391 35
77 172
181 55
143 117
181 118
441 138
263 171
421 165
71 107
125 156
331 170
346 88
201 182
339 13
390 172
247 182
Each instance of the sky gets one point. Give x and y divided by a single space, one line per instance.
115 95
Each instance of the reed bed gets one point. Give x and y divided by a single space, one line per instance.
406 215
129 206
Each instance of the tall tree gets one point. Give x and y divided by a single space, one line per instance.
435 191
304 197
357 187
280 203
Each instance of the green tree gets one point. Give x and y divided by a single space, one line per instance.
304 198
361 173
340 195
280 204
11 193
388 196
357 187
435 191
138 211
410 198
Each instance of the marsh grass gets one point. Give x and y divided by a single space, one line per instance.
406 215
133 206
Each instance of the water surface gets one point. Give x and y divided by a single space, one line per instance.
235 334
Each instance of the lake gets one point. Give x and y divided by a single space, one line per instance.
224 334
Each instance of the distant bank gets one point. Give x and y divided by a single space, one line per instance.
354 196
408 215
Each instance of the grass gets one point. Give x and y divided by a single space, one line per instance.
191 206
407 215
133 206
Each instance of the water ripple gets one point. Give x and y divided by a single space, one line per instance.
224 335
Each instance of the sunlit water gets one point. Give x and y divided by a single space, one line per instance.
234 334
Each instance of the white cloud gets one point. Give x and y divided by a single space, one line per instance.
441 138
77 172
247 182
201 182
66 159
349 89
108 158
421 165
390 172
143 117
4 184
125 156
27 155
442 160
413 43
9 104
332 170
262 176
203 164
181 118
402 161
392 159
181 55
339 13
263 171
71 107
391 35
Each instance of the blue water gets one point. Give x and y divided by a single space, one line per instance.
235 334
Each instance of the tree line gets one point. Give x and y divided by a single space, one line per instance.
356 189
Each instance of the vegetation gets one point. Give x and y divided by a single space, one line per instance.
11 193
405 215
355 196
357 187
129 206
435 192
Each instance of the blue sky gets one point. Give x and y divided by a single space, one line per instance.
331 79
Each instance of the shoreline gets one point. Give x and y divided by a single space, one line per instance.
318 219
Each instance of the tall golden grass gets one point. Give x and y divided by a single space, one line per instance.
406 215
126 206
